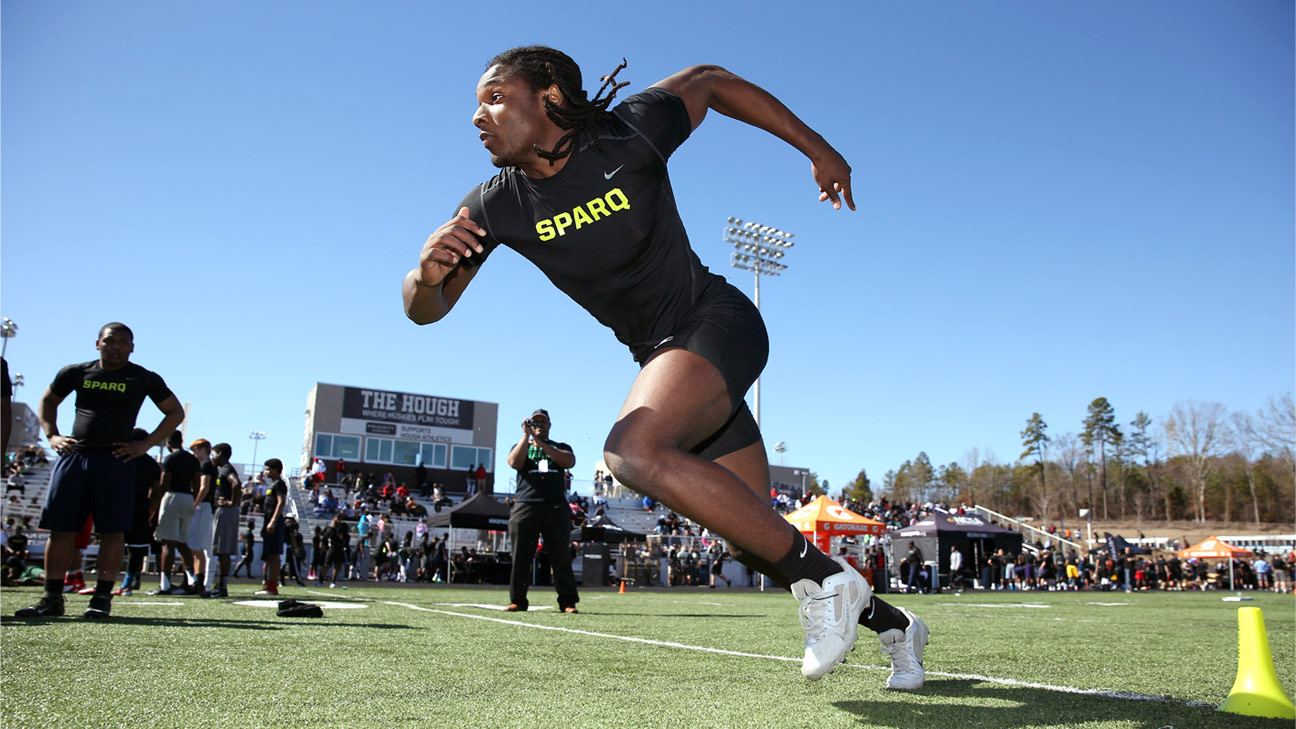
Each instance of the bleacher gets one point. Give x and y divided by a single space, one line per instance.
31 502
299 491
628 513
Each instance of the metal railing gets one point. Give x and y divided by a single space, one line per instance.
1024 528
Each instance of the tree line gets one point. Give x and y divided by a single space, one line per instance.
1198 462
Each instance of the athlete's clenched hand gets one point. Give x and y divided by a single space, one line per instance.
832 174
62 444
457 239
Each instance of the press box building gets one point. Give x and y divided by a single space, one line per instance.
382 431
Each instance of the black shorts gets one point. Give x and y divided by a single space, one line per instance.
725 329
272 540
90 483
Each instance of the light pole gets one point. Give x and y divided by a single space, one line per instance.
780 448
8 330
257 436
757 248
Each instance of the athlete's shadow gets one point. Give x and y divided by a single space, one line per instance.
270 623
676 615
941 703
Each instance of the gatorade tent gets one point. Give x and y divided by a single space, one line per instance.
822 519
1216 548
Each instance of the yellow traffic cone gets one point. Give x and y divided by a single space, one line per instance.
1256 692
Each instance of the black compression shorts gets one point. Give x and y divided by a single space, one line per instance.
90 483
724 328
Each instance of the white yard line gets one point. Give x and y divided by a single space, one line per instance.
703 649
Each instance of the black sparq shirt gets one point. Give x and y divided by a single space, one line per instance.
277 492
107 401
605 229
539 487
226 482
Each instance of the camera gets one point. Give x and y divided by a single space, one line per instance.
529 423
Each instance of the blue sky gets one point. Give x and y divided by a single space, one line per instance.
1057 201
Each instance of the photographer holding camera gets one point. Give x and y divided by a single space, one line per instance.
540 509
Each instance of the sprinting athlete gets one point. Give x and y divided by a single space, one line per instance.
95 473
583 193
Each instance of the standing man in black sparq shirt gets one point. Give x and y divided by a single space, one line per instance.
540 509
95 473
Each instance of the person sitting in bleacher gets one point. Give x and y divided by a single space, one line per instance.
414 508
439 498
16 482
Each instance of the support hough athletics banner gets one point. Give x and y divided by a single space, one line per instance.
403 416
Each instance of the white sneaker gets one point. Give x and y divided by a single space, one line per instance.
906 649
830 615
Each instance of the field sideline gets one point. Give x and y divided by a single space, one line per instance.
418 656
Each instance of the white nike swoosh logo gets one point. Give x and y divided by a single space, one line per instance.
805 544
608 175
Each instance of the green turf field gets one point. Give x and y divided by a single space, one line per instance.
428 657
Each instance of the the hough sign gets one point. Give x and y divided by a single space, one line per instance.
406 416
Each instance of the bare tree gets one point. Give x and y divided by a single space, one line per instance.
1068 454
1245 442
1198 431
1275 430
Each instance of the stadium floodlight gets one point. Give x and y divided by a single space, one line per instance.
8 330
757 248
257 436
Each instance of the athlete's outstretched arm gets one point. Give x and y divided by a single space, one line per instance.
712 87
431 290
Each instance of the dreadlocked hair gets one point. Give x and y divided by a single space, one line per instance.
539 67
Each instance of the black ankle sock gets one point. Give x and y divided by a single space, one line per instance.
805 561
54 589
104 587
879 616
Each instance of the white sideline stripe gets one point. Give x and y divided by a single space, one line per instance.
702 649
1035 605
626 638
1071 689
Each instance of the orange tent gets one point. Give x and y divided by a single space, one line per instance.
1214 548
823 519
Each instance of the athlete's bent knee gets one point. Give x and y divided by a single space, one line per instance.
634 461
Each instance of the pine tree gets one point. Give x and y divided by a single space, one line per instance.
1034 439
1100 428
